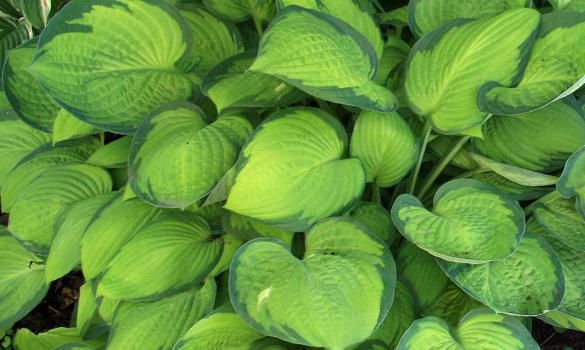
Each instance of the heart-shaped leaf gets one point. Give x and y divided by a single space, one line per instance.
376 218
176 159
447 67
241 10
559 216
470 222
346 271
289 171
527 283
572 181
480 329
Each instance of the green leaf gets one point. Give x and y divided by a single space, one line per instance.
572 182
346 271
133 59
539 141
568 5
86 309
391 64
66 127
451 305
22 280
559 319
12 34
241 10
376 219
36 12
113 155
231 84
480 329
442 145
386 146
448 66
397 17
516 174
529 282
247 228
288 171
51 340
427 15
471 222
37 209
510 188
555 69
155 325
176 159
559 216
336 62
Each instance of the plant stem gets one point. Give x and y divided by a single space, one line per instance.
102 137
438 169
258 25
376 197
423 146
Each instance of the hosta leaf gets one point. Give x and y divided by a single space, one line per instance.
37 209
86 309
555 69
390 65
155 325
176 159
559 216
114 224
529 282
231 84
376 218
572 181
397 17
288 171
516 174
426 15
443 144
241 10
129 57
247 228
66 127
510 188
470 222
539 141
12 34
36 12
181 252
51 340
336 62
113 155
386 146
451 305
65 252
346 271
22 280
570 5
559 319
480 329
447 67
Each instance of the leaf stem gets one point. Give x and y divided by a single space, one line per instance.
426 133
376 197
258 25
438 169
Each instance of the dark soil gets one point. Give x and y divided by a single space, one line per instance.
549 339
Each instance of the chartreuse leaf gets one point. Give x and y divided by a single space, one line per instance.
336 62
376 218
447 67
471 222
555 69
13 32
65 252
289 171
451 305
51 340
241 10
176 158
86 309
182 252
37 209
247 228
349 11
114 224
443 144
17 140
391 64
113 155
572 181
22 280
559 216
562 320
427 15
66 127
516 174
480 329
386 146
568 5
127 58
154 325
231 84
510 188
346 271
539 141
529 282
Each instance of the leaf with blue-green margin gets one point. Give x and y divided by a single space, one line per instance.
65 251
336 63
562 320
12 34
241 10
539 141
427 15
182 251
230 84
177 158
35 212
471 222
34 106
126 58
510 188
529 282
288 171
247 228
155 325
441 145
349 11
556 68
346 271
17 140
114 224
36 12
391 64
560 217
480 329
447 67
51 340
113 155
22 280
516 174
67 127
572 181
376 218
214 39
386 146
